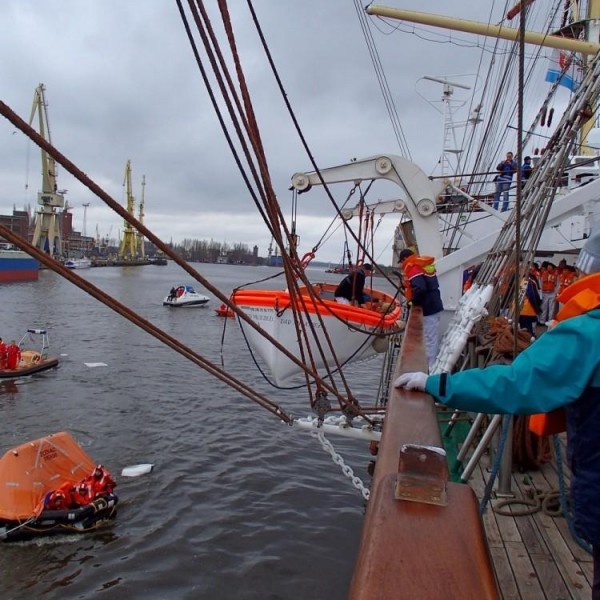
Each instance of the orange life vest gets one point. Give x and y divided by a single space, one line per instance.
577 299
415 265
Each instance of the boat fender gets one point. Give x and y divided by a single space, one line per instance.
66 515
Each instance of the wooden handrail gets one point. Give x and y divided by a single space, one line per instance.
413 549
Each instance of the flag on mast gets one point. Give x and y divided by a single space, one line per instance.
562 68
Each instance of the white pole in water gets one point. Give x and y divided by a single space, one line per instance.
83 231
338 426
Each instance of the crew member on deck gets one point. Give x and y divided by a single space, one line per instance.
559 370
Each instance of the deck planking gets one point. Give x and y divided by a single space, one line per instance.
535 557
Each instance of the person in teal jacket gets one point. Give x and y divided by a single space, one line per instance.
560 369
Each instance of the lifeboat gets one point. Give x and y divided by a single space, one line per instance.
29 361
41 490
356 332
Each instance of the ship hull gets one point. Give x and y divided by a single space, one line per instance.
16 266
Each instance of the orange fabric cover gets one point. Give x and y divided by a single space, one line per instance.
29 471
548 423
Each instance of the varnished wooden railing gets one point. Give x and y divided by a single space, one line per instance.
417 550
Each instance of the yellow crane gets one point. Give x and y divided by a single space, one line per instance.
47 231
127 249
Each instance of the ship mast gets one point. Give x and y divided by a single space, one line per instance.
140 237
565 39
46 235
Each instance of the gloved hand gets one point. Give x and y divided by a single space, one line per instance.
412 381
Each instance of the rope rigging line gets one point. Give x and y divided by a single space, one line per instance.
388 97
275 218
285 99
272 209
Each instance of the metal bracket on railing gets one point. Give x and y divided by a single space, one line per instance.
422 475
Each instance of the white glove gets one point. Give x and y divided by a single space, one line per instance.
412 381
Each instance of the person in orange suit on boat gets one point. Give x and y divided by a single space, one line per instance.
13 355
2 354
100 482
81 494
560 370
60 498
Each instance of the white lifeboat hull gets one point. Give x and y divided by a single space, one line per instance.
356 333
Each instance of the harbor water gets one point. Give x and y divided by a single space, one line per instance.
238 506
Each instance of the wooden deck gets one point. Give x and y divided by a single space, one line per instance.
535 556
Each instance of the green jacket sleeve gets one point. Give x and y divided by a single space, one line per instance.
552 372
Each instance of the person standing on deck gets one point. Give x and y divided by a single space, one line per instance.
421 288
526 170
549 281
503 180
532 305
351 289
560 369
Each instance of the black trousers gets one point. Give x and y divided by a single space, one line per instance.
596 584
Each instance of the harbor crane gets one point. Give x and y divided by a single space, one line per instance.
127 250
47 231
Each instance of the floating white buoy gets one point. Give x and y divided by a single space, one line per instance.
98 364
137 470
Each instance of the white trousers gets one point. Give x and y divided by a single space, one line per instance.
548 299
431 329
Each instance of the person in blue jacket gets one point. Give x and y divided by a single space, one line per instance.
560 369
503 180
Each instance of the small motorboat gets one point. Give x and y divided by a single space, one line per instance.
184 295
224 311
16 361
50 485
356 332
78 263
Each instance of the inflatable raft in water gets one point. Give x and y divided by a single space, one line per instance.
50 486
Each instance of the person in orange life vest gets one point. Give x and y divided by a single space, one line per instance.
535 268
60 498
13 355
423 289
566 278
2 354
100 482
532 305
549 284
560 369
81 494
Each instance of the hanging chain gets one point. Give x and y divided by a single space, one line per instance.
338 460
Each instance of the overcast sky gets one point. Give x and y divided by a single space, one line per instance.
121 83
